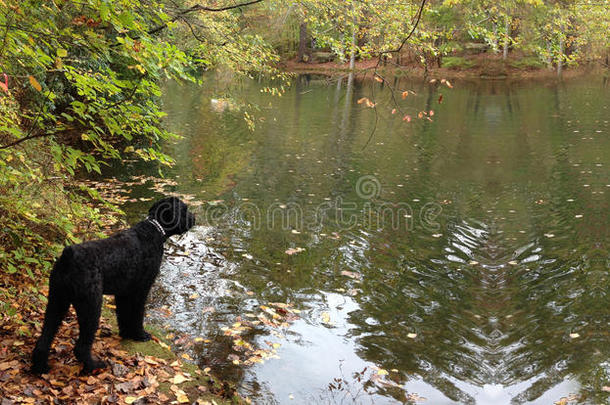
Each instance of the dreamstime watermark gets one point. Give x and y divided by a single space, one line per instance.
367 211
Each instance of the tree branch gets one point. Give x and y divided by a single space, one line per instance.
199 7
404 41
27 138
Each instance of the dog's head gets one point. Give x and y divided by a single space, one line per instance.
173 215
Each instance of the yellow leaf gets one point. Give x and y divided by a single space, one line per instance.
130 400
182 398
326 318
382 372
35 83
179 378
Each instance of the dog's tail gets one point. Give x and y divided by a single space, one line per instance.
65 260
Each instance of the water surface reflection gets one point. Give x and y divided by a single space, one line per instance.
493 289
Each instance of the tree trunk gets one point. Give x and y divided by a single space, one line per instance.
507 37
303 40
561 51
496 45
352 56
549 58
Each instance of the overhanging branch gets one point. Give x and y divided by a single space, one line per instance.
199 7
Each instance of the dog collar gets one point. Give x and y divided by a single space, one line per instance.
157 225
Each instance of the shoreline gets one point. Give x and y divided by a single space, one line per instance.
493 69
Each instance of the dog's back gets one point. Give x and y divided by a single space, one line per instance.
122 256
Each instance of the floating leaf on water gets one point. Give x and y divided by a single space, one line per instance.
293 251
513 263
549 235
351 274
411 335
574 335
326 318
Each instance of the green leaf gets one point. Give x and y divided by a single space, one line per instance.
104 11
126 18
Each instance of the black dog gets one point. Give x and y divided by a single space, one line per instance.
125 265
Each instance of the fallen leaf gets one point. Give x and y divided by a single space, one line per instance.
351 274
293 251
182 398
179 378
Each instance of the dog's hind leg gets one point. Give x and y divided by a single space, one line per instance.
56 310
88 311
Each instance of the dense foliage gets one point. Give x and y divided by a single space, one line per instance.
80 85
554 32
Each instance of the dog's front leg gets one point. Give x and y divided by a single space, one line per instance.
130 316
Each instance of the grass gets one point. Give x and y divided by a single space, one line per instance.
199 378
457 62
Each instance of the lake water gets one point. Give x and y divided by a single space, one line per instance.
461 257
